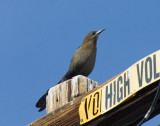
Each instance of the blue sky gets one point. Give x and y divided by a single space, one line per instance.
39 37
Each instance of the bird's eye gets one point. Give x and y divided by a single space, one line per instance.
93 33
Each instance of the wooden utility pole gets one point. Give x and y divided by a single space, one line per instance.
120 101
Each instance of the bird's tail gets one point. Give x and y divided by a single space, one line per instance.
41 104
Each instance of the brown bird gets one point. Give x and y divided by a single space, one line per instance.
82 62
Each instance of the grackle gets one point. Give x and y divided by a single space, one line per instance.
82 62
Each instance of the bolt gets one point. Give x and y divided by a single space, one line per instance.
82 99
81 120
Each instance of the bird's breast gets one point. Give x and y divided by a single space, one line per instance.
83 61
89 63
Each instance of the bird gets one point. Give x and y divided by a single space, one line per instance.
82 62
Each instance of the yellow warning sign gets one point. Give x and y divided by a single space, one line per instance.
123 87
90 106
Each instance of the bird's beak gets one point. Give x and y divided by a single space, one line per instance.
99 31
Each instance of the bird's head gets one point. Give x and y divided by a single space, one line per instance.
92 36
